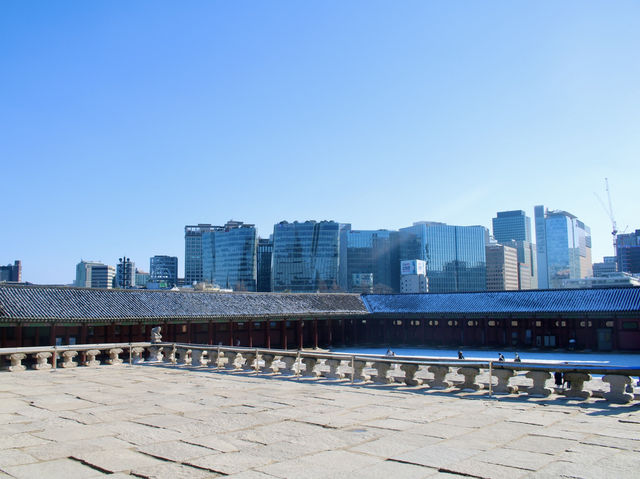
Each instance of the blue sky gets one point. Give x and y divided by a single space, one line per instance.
120 122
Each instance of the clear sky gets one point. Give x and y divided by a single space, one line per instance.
121 122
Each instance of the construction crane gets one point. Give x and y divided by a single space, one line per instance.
609 211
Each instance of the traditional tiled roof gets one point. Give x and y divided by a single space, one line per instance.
49 303
610 300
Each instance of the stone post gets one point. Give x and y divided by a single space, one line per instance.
16 362
617 388
183 356
577 385
310 366
333 372
169 354
197 357
540 379
231 359
470 374
41 359
410 371
439 374
503 387
289 362
269 366
114 356
91 360
249 361
382 371
68 361
155 354
137 355
358 371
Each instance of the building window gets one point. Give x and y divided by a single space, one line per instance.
183 328
538 324
609 324
629 325
491 322
514 323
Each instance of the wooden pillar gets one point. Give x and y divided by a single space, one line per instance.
267 339
231 334
315 333
300 335
189 332
19 335
355 332
210 333
283 334
83 333
330 332
342 326
52 334
250 333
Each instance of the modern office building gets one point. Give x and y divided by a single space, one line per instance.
502 268
265 251
193 252
511 225
413 277
527 263
125 273
163 271
628 252
229 256
93 274
455 255
609 265
606 280
564 247
371 258
309 256
11 272
141 278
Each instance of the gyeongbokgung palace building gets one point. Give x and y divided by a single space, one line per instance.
595 319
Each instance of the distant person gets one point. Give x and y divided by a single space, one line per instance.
390 353
517 358
500 358
237 343
460 355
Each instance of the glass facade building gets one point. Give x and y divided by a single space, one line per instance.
229 256
370 259
512 225
193 252
455 255
265 251
567 248
309 256
163 270
628 252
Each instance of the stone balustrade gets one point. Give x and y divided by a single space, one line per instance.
533 379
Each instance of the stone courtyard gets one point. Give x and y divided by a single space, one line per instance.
153 421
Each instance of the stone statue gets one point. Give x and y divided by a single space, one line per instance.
156 337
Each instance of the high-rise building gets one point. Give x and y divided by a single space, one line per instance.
11 272
92 274
564 247
265 251
455 255
309 256
84 273
163 271
628 252
370 259
141 278
609 265
527 263
512 225
193 252
413 277
125 273
502 268
230 256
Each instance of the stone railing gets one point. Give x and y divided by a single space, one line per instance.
480 377
53 357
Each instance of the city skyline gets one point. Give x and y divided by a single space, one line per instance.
122 125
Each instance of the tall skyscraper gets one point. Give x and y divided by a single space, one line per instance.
234 259
163 271
512 225
265 251
628 252
513 229
455 255
502 268
564 247
370 259
309 256
193 252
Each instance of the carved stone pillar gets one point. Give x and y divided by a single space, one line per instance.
410 371
16 362
68 361
114 356
183 356
358 371
333 372
310 367
155 354
91 360
470 374
577 385
540 379
42 362
169 353
382 371
197 358
617 388
439 374
232 357
249 361
289 362
270 364
137 355
503 387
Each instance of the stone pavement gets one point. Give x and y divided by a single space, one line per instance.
168 422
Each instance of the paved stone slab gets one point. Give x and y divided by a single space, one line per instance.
436 456
322 464
212 442
123 460
171 471
176 451
58 469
